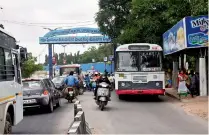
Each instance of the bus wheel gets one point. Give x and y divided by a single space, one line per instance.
8 124
121 97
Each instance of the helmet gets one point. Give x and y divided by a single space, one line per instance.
96 73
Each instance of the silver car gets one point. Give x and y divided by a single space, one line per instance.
40 93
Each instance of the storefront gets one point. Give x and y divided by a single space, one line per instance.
189 37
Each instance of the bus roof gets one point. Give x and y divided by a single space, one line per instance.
152 47
7 33
71 65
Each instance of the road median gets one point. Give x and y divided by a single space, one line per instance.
79 124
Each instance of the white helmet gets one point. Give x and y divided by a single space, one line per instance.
96 73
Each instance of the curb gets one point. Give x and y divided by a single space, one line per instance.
172 96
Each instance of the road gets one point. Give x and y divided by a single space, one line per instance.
144 116
133 116
38 122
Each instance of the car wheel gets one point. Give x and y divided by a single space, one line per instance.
50 107
8 124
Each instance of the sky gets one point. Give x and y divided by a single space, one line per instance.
26 20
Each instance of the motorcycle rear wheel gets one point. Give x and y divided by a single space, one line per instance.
102 105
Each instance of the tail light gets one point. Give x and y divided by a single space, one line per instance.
46 92
70 89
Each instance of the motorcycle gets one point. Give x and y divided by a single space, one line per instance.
102 95
93 84
81 89
70 95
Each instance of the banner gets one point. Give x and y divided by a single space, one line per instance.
174 39
197 31
74 40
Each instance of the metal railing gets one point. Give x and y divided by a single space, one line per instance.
79 125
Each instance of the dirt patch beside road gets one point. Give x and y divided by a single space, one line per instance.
196 106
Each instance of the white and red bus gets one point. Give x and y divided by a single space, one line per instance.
139 70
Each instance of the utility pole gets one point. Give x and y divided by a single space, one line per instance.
51 54
64 54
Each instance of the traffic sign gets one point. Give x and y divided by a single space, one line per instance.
111 57
105 59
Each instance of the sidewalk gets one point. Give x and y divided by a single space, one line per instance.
195 106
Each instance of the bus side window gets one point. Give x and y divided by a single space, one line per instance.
9 65
2 65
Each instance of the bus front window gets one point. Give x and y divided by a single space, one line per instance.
150 61
127 61
139 61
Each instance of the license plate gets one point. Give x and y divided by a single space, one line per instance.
121 75
29 101
70 92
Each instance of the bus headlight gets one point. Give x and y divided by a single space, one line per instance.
123 84
154 76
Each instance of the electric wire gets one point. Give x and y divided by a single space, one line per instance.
49 24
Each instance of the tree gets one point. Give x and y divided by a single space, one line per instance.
112 16
199 7
151 18
29 67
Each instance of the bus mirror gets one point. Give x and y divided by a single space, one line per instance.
23 54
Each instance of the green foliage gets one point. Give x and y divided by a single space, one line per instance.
29 67
144 21
112 16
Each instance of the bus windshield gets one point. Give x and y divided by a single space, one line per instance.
67 70
139 61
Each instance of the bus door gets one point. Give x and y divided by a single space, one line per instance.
18 90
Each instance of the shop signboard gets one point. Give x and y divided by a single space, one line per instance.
197 31
174 39
190 32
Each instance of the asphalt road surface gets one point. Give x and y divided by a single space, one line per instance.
140 115
36 121
136 115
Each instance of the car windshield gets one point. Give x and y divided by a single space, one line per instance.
32 85
57 79
139 61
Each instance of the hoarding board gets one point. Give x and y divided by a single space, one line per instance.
197 31
175 39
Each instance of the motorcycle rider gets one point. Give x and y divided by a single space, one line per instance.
72 81
87 81
96 76
102 79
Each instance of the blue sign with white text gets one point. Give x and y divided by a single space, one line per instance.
74 40
63 36
197 31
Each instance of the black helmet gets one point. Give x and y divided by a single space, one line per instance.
71 73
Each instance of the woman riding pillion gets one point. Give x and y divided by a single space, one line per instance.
72 81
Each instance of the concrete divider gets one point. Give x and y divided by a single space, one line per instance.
79 125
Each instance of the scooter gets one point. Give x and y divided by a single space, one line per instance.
94 85
103 95
70 95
